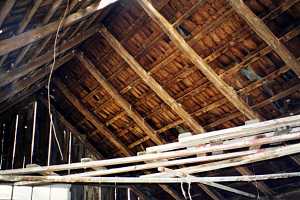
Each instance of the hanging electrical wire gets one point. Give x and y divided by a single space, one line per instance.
52 69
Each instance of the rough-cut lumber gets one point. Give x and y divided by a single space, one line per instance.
20 85
154 165
120 180
226 134
211 75
103 130
150 81
266 34
5 10
52 10
264 155
93 119
166 155
6 78
119 99
31 36
21 96
27 18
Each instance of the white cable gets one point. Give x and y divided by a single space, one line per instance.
189 191
57 142
182 190
52 66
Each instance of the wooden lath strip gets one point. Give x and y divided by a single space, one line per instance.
31 36
41 60
4 12
91 118
102 129
20 85
266 34
211 75
150 81
119 99
46 19
27 18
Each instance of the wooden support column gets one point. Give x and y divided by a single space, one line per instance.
189 52
262 30
151 82
91 118
119 99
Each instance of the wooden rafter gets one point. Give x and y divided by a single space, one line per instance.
123 103
31 36
266 34
4 12
21 85
119 99
15 74
91 118
238 36
211 75
190 53
150 81
82 139
102 129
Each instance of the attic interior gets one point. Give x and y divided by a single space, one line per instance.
150 99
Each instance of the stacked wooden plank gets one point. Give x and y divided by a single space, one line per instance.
233 143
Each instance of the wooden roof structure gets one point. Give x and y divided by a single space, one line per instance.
139 73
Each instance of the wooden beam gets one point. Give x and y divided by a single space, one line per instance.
150 81
21 40
92 118
5 10
211 75
262 30
21 96
52 11
119 99
6 78
27 18
80 137
102 129
22 84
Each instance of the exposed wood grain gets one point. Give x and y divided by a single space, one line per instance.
6 78
93 119
5 10
31 36
119 99
211 75
150 81
266 34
